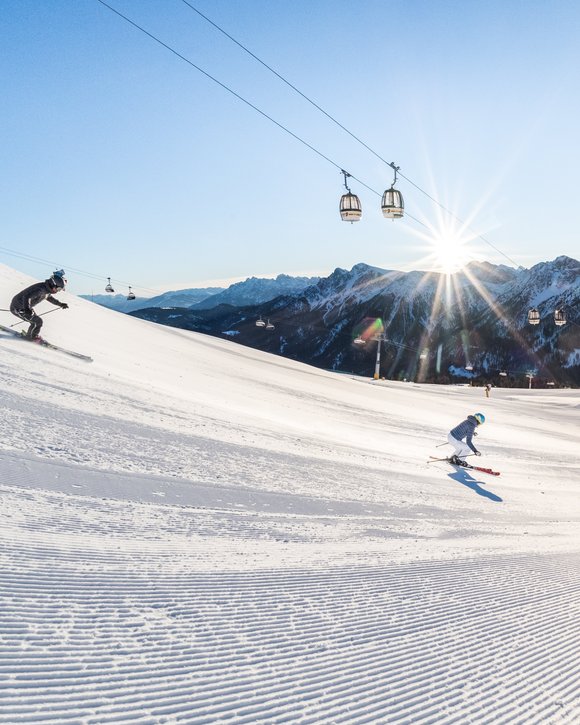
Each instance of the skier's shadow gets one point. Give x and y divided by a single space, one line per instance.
463 477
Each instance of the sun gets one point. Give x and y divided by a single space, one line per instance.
447 245
448 251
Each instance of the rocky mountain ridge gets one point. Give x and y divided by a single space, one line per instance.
252 291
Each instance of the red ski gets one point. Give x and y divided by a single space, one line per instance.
489 471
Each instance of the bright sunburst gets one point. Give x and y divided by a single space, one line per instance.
448 251
447 246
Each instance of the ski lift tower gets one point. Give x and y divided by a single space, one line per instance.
381 337
530 376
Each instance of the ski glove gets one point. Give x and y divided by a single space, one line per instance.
478 453
63 306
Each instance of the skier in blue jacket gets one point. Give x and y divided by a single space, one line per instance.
465 430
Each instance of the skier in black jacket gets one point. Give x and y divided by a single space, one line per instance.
24 301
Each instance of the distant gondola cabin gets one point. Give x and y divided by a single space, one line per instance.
533 316
559 317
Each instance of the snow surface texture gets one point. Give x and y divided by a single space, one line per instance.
197 532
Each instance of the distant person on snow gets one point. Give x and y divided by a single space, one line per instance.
488 390
466 430
24 301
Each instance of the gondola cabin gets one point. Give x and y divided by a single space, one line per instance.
109 287
559 317
359 341
350 207
533 316
269 325
392 205
260 322
130 296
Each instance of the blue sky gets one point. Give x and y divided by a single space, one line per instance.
118 159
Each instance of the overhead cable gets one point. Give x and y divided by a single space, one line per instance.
84 273
244 100
345 129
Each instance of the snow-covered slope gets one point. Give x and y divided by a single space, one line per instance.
194 531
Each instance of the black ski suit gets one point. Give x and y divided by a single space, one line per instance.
24 301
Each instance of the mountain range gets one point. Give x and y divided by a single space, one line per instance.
176 298
433 327
251 291
257 290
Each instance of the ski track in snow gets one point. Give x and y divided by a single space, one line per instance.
120 611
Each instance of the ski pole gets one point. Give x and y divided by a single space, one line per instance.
441 444
41 315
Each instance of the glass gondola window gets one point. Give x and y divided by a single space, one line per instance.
533 316
559 317
392 205
350 206
109 287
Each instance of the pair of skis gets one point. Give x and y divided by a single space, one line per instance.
49 345
466 465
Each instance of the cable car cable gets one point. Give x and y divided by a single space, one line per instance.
248 103
346 130
227 88
82 272
286 81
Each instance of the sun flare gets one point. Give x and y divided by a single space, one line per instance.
449 251
447 245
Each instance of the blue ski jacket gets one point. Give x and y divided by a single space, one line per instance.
466 430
